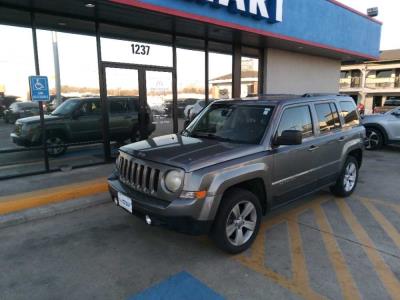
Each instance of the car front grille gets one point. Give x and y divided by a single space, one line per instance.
138 175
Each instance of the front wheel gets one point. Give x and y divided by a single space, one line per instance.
374 139
237 222
347 181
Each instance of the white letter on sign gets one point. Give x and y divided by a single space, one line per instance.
239 4
259 4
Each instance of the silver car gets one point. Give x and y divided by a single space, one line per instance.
238 160
382 129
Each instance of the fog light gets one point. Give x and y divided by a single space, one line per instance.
148 220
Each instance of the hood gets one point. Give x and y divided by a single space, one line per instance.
188 153
36 119
372 118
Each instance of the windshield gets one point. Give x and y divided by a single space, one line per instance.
237 123
66 108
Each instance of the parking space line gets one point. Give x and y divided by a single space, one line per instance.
385 274
386 225
393 206
343 275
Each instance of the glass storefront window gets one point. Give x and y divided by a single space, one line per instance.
133 52
191 87
16 65
249 77
220 75
70 61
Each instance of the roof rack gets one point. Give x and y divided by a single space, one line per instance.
319 95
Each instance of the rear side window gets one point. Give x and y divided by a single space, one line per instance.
349 113
118 107
296 118
328 117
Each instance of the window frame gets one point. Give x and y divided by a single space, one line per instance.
286 107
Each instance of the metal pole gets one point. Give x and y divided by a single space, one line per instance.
103 99
236 70
41 112
174 87
56 69
206 83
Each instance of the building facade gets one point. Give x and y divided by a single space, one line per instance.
165 55
373 82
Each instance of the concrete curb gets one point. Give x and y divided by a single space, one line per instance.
20 202
53 209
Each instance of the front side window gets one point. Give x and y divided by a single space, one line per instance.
296 118
349 113
90 108
236 123
328 118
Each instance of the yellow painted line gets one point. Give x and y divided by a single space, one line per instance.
385 274
299 266
14 203
395 207
386 225
343 275
256 262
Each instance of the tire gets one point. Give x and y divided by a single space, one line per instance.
374 138
230 221
135 137
56 145
348 179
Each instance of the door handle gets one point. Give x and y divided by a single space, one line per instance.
341 139
313 148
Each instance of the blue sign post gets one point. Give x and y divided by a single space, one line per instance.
39 86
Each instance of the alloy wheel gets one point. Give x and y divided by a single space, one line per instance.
350 177
241 223
55 146
373 140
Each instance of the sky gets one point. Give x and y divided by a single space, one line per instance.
389 14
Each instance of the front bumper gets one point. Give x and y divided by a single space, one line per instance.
179 215
21 141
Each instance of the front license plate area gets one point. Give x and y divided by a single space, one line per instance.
125 202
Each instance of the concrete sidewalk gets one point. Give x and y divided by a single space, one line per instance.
30 198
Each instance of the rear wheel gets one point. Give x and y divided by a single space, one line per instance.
237 222
347 182
374 138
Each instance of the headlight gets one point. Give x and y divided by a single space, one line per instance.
173 181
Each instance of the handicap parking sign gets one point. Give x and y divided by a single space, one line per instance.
39 86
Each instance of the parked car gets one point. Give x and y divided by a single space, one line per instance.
181 105
19 110
239 159
390 103
79 120
5 102
382 129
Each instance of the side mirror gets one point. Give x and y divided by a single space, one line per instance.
289 137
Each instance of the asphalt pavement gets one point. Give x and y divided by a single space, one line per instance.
319 247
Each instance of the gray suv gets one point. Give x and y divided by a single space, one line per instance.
238 160
382 129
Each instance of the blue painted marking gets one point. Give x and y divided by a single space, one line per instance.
181 286
39 88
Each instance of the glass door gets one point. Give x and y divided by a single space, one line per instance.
160 104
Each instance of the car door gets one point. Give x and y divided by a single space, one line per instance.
329 141
292 165
393 125
85 124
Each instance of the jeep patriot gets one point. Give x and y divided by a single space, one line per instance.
239 159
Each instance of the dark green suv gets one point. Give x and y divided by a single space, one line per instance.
79 120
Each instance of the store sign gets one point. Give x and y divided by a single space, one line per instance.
271 10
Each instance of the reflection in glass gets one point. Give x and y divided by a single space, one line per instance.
159 99
220 74
249 77
191 89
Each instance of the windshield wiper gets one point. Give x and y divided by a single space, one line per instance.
211 136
